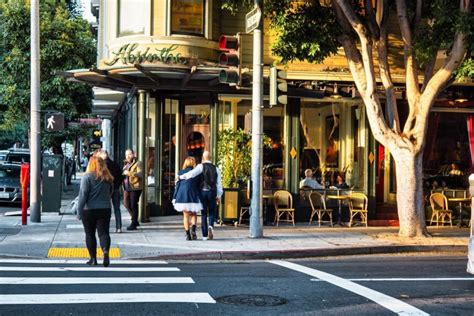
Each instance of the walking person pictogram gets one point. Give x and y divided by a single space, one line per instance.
51 122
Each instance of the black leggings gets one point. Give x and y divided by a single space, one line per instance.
98 219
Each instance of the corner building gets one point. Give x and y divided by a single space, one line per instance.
157 81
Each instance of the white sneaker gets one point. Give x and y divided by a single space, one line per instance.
211 233
204 238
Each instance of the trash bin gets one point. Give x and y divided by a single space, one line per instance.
52 181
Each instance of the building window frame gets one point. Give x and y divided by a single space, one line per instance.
146 23
205 13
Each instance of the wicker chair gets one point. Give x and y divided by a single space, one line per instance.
244 209
318 206
440 212
358 203
283 202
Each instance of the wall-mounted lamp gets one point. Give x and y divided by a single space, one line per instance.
336 94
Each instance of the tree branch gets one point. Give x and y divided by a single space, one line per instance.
413 90
443 75
390 98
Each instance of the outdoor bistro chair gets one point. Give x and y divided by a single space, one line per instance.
318 206
244 209
358 203
440 213
283 202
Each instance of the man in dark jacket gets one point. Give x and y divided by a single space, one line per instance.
116 172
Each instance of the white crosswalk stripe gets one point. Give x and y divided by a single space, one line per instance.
16 274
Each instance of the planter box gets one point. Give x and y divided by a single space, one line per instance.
230 205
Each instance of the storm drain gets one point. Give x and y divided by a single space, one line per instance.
252 300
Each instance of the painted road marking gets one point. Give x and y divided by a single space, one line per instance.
95 280
404 279
80 261
80 252
112 269
83 298
386 301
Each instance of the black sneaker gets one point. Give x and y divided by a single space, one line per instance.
193 232
92 262
132 227
188 235
106 262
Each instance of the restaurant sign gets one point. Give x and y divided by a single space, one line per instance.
128 54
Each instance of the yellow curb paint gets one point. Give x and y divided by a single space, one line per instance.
80 253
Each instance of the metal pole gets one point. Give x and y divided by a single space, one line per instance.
256 220
35 107
142 99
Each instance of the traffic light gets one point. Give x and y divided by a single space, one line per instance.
230 58
278 87
97 133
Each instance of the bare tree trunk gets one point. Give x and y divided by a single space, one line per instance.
411 211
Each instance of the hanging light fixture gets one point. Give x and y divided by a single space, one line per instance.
335 94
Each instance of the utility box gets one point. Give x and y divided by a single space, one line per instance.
52 181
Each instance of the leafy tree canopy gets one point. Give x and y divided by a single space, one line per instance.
66 42
309 31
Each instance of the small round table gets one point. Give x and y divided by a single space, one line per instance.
461 201
339 198
266 199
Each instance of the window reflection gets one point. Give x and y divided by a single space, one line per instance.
133 16
187 17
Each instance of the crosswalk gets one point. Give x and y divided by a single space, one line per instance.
24 281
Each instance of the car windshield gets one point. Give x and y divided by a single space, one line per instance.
18 158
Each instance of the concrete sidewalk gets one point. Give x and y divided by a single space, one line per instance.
163 238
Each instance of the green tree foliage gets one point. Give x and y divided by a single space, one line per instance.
234 151
309 31
66 42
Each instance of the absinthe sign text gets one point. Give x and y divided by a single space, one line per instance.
127 54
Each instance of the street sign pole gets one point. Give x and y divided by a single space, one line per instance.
35 107
256 220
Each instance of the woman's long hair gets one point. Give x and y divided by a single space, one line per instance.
189 162
98 167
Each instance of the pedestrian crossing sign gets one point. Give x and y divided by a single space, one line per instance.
54 122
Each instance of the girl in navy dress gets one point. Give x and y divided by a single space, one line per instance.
186 198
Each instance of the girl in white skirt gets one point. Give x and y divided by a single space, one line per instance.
186 198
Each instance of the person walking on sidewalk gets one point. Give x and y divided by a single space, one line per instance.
211 192
94 208
116 172
186 198
132 186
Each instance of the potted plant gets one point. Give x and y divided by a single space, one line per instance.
234 158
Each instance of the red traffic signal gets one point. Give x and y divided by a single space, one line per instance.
230 59
228 43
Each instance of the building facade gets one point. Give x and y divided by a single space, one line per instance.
157 81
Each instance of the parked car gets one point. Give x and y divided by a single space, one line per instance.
17 156
3 155
10 188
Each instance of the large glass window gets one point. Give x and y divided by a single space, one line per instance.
133 17
187 17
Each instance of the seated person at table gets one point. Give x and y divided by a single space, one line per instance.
455 170
340 183
309 181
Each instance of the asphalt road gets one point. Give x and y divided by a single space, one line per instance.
9 207
365 285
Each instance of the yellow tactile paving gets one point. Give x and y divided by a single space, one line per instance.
80 253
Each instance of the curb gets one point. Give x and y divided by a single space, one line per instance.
287 254
307 253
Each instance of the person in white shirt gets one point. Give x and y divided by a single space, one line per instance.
211 192
309 181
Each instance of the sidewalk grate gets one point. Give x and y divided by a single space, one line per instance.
80 253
